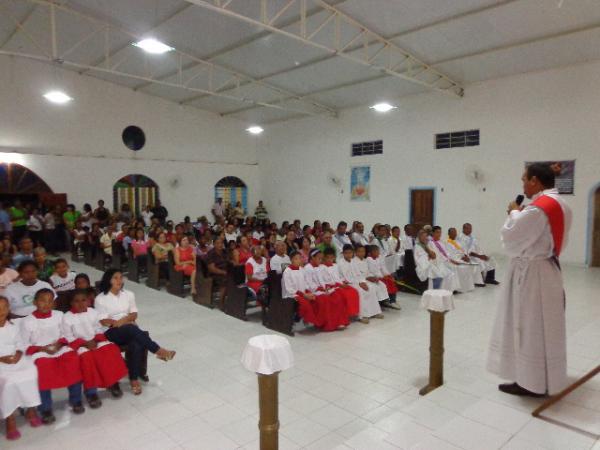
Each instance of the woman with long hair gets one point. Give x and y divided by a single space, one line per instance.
118 312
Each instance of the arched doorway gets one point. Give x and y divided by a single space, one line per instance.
232 190
594 258
137 191
17 181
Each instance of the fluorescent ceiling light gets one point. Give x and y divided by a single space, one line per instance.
383 107
57 97
255 129
153 46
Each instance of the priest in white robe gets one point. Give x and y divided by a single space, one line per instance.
528 344
470 244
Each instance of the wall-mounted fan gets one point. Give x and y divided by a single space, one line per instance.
335 182
474 174
175 182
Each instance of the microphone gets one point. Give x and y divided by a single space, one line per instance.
519 199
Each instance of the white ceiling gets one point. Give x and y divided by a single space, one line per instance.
467 40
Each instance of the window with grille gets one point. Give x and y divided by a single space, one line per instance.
367 148
469 138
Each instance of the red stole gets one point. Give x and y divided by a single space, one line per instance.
556 218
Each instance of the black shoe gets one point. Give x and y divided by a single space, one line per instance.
515 389
94 401
480 285
115 390
78 408
48 417
145 378
492 282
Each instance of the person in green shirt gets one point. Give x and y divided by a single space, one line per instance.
70 217
18 220
327 242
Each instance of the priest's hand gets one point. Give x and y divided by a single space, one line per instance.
513 206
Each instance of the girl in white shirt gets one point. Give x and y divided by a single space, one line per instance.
18 376
62 279
118 313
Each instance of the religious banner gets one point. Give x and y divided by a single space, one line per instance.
360 183
565 178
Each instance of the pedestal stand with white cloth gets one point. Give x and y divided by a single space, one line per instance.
267 355
438 302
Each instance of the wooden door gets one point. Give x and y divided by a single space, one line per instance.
596 231
50 200
422 207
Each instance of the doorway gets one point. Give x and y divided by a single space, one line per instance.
595 250
422 206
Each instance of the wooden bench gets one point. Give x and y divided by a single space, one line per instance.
410 275
153 272
136 267
280 311
177 280
118 259
204 285
88 254
238 299
100 258
75 249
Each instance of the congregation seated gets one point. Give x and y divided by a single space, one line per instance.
280 260
160 251
185 261
256 269
21 293
63 279
25 252
470 246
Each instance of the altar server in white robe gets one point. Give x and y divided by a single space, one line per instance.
458 254
362 268
470 245
369 303
409 239
395 256
429 267
18 376
463 273
528 344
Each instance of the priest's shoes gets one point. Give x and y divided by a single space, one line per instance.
492 282
515 389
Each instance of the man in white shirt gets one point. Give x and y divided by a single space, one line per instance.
218 210
340 238
410 237
358 237
470 245
107 239
280 260
231 234
529 344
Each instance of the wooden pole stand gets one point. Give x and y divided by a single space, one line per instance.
436 352
556 398
268 399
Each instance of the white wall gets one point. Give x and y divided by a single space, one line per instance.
198 147
537 116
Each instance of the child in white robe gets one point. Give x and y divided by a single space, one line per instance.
369 304
57 363
18 376
330 277
362 268
102 365
377 269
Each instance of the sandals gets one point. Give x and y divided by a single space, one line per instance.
165 355
136 387
13 435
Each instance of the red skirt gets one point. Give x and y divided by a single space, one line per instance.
102 367
187 269
390 284
60 372
254 285
327 312
351 298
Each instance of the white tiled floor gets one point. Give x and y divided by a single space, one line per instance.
355 389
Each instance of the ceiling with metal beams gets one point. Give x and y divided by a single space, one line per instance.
265 61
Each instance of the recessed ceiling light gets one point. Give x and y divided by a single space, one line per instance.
383 107
57 97
153 46
255 129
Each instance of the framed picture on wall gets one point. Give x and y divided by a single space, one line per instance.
360 183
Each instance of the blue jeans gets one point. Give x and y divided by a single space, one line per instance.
74 397
437 283
137 340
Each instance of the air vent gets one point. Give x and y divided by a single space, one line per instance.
454 139
367 148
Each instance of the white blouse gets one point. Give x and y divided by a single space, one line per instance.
115 307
